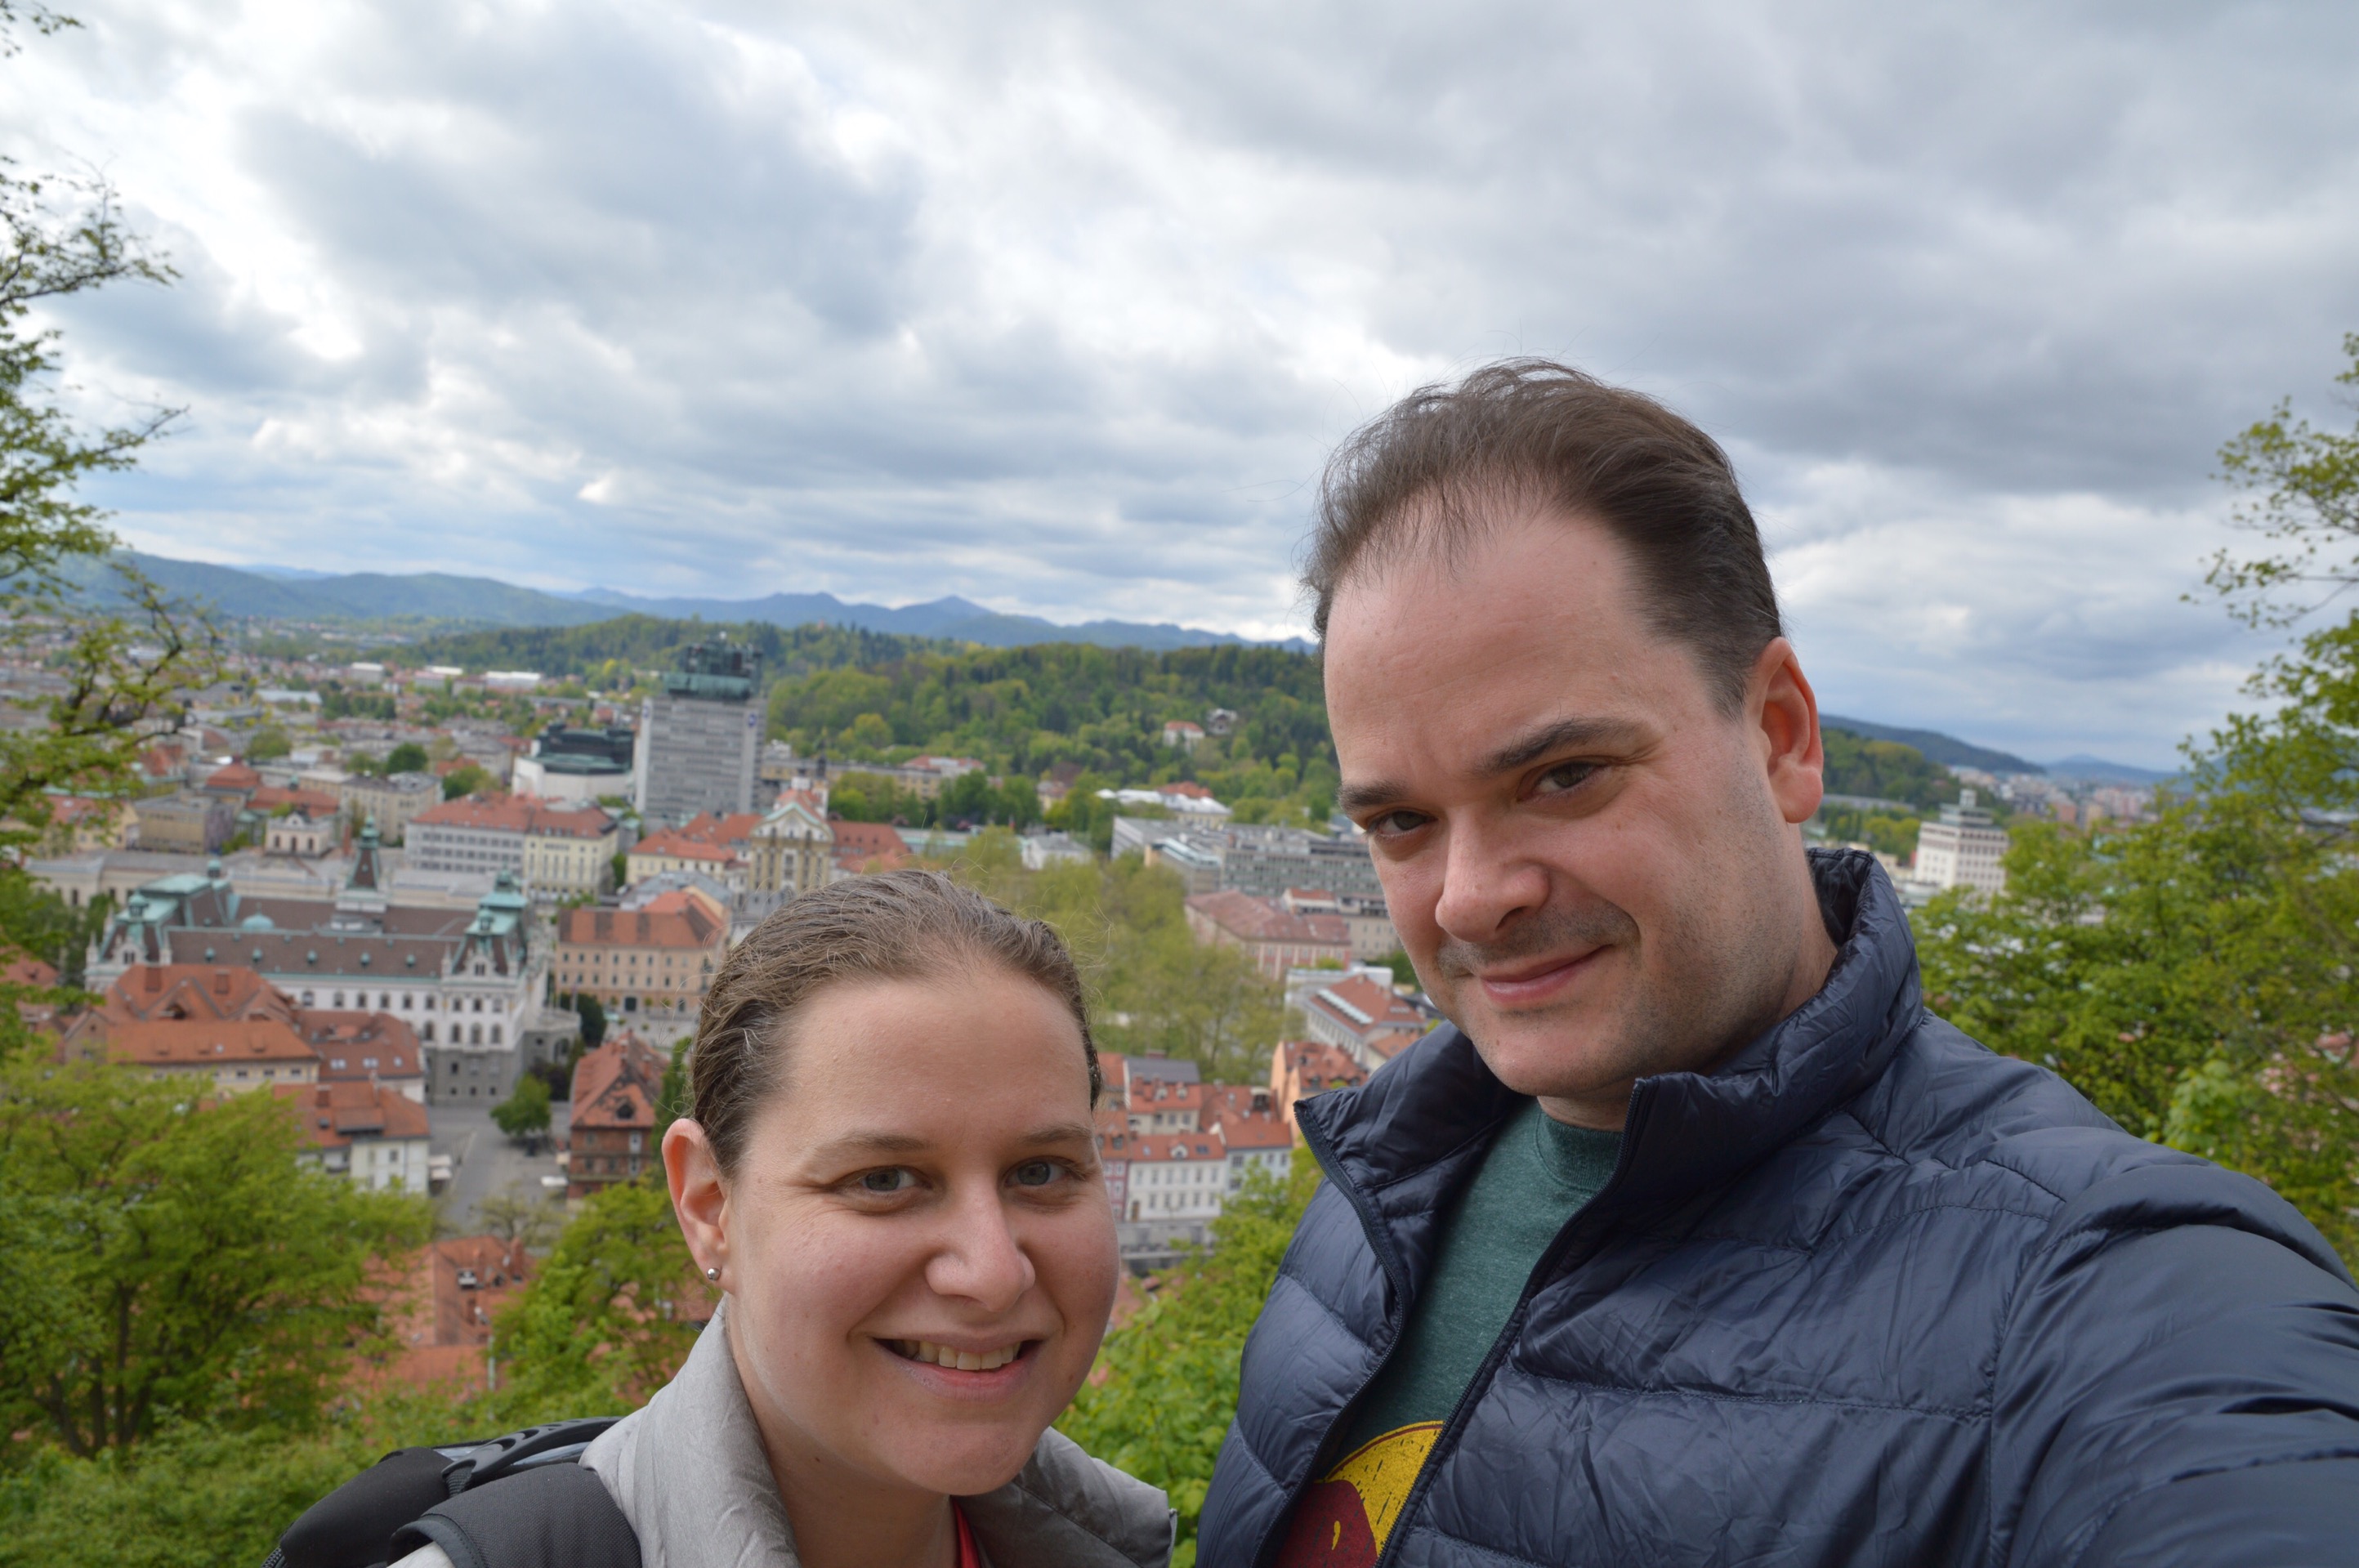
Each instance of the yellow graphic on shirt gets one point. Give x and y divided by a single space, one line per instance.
1343 1520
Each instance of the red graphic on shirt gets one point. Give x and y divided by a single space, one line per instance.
1343 1520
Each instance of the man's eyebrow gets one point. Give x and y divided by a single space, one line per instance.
1565 734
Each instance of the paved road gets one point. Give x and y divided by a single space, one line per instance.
484 1160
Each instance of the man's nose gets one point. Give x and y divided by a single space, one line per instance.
980 1259
1486 880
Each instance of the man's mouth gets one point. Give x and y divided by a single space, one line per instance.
955 1359
1534 982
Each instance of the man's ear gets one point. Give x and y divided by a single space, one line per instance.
699 1196
1785 715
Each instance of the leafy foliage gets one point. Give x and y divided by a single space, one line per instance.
2194 976
1884 770
187 1268
611 1315
2304 487
1023 710
1160 1401
526 1110
1151 986
610 654
196 1497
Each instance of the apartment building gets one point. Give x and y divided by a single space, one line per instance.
556 849
1177 1177
392 804
700 735
371 1134
656 960
611 1135
1365 1019
1273 939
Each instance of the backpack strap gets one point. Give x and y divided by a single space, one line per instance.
550 1516
353 1526
349 1528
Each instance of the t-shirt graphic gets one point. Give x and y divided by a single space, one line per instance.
1344 1520
1537 1175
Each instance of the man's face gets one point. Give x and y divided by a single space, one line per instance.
1593 867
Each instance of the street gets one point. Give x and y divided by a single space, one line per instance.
484 1160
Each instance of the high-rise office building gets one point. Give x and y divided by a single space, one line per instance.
699 737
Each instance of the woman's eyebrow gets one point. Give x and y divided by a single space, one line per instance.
1063 1132
868 1143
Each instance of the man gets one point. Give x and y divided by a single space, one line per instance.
1696 1240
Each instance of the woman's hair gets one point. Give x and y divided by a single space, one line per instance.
902 925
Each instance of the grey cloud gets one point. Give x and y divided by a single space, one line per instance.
1059 306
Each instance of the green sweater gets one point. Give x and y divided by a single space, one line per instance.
1539 1174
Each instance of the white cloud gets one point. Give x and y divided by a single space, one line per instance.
1060 307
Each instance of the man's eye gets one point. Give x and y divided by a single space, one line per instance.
1036 1172
1399 822
1564 775
899 1178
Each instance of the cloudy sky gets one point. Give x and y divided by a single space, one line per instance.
1060 308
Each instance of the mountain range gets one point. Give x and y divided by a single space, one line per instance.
297 594
287 593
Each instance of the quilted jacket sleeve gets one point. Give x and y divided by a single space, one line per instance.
2178 1383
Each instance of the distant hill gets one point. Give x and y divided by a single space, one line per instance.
282 594
2097 770
1947 750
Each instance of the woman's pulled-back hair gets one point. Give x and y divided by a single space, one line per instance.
901 925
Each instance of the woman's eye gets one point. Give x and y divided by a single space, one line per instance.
1036 1173
899 1178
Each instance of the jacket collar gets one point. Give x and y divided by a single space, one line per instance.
1432 1108
689 1473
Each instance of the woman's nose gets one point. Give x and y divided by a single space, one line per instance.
980 1259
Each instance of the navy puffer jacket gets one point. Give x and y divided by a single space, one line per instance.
1868 1294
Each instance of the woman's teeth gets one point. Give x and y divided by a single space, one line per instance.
958 1360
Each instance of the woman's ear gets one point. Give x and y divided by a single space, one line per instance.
698 1197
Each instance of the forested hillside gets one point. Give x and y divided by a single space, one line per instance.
1023 711
607 652
1884 770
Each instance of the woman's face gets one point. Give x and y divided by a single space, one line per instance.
917 1243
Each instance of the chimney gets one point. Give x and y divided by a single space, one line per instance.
155 978
220 982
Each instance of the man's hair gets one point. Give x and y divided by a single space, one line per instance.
1427 476
902 925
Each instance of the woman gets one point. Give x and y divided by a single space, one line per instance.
891 1173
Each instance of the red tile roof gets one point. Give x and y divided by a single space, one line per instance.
687 923
204 1043
362 1045
615 1086
1249 919
868 846
334 1115
237 779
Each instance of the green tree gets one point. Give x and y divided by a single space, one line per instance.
2193 976
611 1315
467 779
187 1267
593 1015
525 1113
515 1216
408 757
2302 498
1159 1400
269 743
